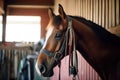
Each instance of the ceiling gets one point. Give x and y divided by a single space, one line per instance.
30 3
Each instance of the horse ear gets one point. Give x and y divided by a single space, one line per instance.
50 13
61 12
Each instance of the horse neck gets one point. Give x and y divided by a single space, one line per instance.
88 44
86 39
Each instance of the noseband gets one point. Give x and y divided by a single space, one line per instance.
58 55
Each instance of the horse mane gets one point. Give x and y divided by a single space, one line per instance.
105 35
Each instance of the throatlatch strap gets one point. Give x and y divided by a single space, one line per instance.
73 59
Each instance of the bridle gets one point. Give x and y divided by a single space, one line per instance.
69 39
58 54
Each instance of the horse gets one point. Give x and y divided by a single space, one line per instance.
100 48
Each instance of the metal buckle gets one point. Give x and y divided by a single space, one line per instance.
73 70
58 56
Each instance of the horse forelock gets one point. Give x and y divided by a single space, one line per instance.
57 20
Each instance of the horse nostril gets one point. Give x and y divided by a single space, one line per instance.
42 69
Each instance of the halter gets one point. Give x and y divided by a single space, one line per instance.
57 56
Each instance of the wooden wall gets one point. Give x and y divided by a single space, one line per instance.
102 12
1 7
85 71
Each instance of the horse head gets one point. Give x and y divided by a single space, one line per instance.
53 49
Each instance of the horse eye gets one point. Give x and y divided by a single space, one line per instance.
58 35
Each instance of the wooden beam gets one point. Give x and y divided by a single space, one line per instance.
1 10
30 2
1 7
4 21
29 6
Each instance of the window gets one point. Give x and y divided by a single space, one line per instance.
23 28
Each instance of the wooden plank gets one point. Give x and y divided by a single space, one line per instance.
90 13
30 6
31 2
85 10
100 10
1 7
96 12
91 9
87 71
113 12
117 12
76 9
84 7
81 7
106 14
103 13
4 21
88 9
110 11
1 10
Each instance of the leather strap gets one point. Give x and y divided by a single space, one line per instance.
73 59
47 52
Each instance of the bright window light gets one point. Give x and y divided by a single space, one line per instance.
23 28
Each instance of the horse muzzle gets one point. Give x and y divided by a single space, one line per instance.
43 71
